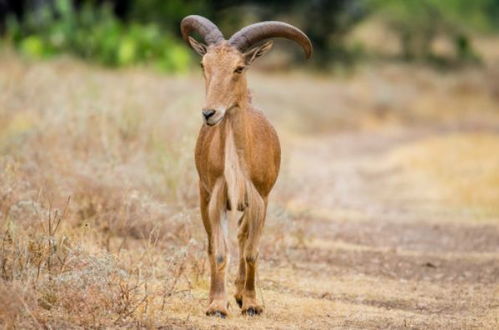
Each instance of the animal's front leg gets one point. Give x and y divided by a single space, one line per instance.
256 219
218 262
219 252
218 298
241 275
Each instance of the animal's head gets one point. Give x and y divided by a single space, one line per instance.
224 62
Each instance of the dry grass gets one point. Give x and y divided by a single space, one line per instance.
98 200
463 167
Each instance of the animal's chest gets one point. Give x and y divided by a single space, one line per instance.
210 156
215 161
218 157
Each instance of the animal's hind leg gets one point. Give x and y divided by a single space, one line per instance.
242 236
218 250
256 220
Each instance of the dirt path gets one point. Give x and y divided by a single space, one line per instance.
445 270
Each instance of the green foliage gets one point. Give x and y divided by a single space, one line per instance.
479 15
34 46
476 15
138 36
168 14
94 33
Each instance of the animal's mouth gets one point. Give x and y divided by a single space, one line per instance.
216 121
213 123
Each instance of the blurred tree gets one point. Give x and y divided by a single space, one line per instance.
326 22
94 32
169 13
12 8
418 23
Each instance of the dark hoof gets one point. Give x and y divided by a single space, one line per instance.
220 315
239 302
251 312
217 314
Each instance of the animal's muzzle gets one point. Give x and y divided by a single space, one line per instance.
208 113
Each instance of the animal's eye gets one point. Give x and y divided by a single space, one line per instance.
239 69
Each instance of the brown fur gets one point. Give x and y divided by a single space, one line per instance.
237 160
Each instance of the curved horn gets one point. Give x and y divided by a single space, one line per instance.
254 33
206 29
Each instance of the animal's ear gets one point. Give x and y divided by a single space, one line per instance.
256 52
197 46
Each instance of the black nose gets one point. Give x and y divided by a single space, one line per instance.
208 113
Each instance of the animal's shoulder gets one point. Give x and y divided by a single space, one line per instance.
261 122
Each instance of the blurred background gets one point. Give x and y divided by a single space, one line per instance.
125 32
386 210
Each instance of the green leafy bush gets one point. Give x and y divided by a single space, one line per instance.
94 33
